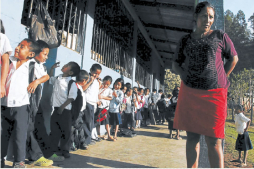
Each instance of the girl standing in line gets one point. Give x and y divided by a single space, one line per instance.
114 105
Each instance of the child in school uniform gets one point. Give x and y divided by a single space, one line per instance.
131 105
243 142
81 80
147 108
61 119
105 95
115 104
16 104
141 100
91 90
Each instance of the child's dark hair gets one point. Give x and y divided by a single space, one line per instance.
139 89
83 75
108 78
128 90
160 91
128 85
162 96
169 95
33 46
42 45
238 107
119 80
2 27
75 68
95 67
154 90
147 89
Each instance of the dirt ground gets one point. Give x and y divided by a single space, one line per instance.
151 148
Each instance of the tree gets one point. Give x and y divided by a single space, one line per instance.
171 81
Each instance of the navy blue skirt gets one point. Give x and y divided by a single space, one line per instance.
243 142
138 115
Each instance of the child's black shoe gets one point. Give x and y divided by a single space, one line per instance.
66 155
20 164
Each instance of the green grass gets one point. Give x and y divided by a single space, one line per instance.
230 139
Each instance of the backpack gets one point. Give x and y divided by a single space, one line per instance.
99 116
76 104
35 97
162 105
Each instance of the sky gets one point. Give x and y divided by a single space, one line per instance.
247 6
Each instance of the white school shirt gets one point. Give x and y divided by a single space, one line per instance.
241 122
83 96
147 100
4 45
60 91
105 92
129 108
17 82
92 93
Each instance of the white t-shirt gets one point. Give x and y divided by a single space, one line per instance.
17 82
241 122
108 93
92 93
4 45
60 91
83 96
147 101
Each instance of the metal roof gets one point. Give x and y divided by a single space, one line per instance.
165 21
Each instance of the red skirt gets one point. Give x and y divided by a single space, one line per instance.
201 111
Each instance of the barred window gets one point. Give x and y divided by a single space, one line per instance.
112 40
69 16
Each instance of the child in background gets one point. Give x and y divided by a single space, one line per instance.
172 116
61 119
147 108
141 100
91 90
162 105
5 52
243 142
131 105
15 108
105 95
114 105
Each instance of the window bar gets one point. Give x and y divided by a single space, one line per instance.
111 53
119 58
93 42
73 30
83 29
78 29
96 42
99 44
114 55
65 11
107 50
54 7
69 23
30 9
47 4
103 47
58 14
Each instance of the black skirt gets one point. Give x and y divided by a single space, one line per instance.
243 142
113 119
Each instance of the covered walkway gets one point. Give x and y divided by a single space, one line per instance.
151 148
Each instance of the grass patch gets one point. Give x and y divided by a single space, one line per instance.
230 139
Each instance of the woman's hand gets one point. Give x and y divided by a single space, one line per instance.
32 86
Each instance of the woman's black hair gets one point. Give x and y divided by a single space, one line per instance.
119 80
200 6
33 46
154 90
42 44
83 75
2 27
162 96
128 89
107 78
95 67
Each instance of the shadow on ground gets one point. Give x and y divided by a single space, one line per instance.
78 161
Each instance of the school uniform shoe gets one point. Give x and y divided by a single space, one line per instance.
43 162
20 164
92 142
66 155
97 139
83 146
56 158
